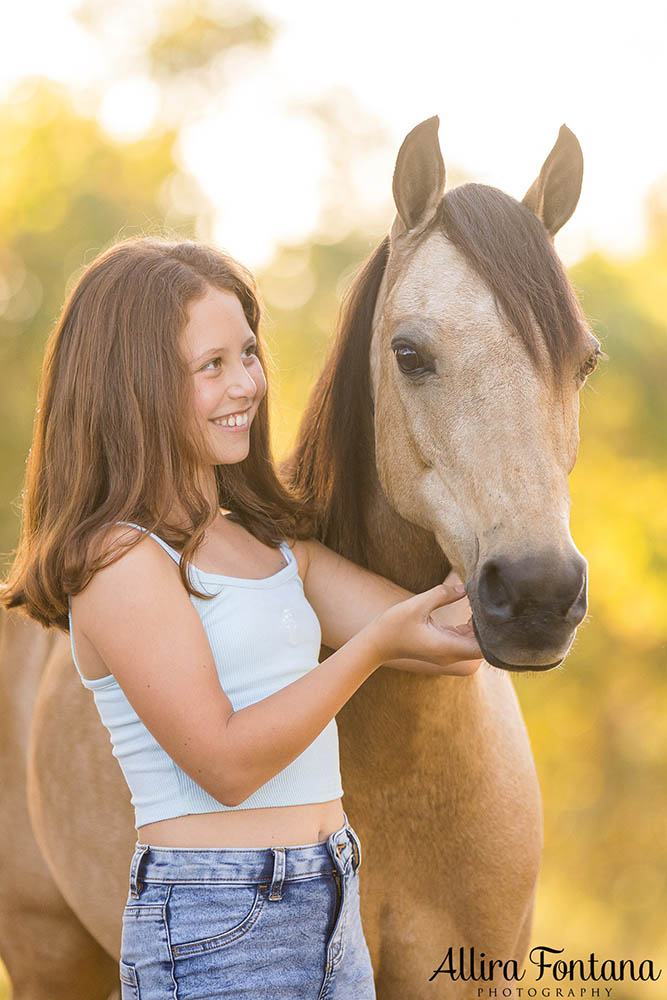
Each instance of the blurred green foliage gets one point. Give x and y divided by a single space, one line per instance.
597 725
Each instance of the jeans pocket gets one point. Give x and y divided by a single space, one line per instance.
356 847
129 987
204 917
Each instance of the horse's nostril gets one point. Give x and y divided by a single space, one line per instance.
492 590
541 587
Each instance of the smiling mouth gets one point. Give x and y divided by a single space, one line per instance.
235 421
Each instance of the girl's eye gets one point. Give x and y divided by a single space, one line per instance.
250 351
213 361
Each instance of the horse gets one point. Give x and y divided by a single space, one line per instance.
439 435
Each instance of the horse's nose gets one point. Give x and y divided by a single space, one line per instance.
546 584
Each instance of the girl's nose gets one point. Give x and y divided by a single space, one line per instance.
242 383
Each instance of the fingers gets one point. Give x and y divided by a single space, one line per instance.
459 640
441 594
464 628
464 642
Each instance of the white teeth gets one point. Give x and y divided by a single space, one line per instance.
235 420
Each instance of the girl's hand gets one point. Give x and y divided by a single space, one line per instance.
408 630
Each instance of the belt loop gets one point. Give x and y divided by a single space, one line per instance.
137 858
278 872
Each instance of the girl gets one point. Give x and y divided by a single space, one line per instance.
156 531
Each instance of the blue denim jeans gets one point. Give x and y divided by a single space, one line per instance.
277 923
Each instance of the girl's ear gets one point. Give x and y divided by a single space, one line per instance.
553 196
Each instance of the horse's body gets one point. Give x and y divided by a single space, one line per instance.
438 775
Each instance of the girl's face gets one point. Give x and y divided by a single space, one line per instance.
228 380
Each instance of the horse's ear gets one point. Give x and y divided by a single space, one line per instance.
419 178
554 195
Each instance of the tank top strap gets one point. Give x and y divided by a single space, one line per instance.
290 558
176 556
287 552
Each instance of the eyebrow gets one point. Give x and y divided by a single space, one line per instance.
212 351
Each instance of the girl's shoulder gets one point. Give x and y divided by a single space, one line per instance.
126 550
133 564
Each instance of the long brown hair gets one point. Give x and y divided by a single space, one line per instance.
113 440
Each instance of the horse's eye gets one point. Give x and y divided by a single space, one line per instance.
589 366
409 360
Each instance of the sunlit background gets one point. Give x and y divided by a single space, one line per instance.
272 128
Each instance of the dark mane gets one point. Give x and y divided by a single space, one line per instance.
508 247
333 459
334 452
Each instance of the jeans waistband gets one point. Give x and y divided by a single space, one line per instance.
274 865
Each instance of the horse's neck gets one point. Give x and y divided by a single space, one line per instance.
397 549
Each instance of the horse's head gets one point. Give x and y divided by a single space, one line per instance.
478 353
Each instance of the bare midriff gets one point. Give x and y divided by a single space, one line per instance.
274 826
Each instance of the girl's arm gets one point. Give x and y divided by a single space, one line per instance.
140 619
346 597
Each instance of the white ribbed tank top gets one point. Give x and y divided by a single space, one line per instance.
263 635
